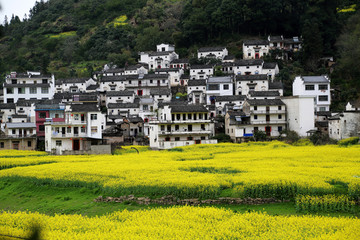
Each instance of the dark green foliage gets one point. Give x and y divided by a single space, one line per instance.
222 137
260 136
349 141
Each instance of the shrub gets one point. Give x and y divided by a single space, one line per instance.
349 141
222 137
303 142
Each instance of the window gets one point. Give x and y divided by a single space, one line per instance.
256 129
68 130
94 129
279 116
41 128
203 127
309 87
255 108
213 87
249 54
29 144
226 87
13 131
10 100
83 129
44 81
200 115
1 144
21 90
279 128
42 114
9 90
190 138
176 127
58 143
189 116
76 116
279 107
177 138
323 98
93 116
33 90
255 117
202 138
323 87
145 107
44 90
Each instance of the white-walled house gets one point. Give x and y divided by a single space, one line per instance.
317 87
212 52
268 115
28 86
120 97
182 63
82 127
196 91
162 58
174 75
201 71
238 126
123 109
246 83
344 125
244 67
218 86
221 103
255 49
73 85
263 94
300 114
271 69
181 125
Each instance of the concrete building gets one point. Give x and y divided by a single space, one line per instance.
300 114
344 125
218 86
19 136
238 126
317 87
162 58
246 83
212 52
181 125
196 91
255 49
201 71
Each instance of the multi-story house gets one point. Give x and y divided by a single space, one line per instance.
174 75
316 86
196 91
114 72
244 67
67 97
182 63
19 136
181 125
344 125
73 85
218 86
264 94
246 83
223 103
238 126
49 111
138 69
276 86
143 85
162 58
271 69
121 110
161 94
268 115
120 97
80 128
201 71
7 109
212 52
255 49
28 86
26 107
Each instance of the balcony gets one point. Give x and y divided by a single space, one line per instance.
55 119
68 135
268 112
172 144
263 122
179 121
185 132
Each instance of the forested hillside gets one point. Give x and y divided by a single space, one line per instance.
75 37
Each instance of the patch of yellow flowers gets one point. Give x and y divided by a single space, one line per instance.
249 170
180 223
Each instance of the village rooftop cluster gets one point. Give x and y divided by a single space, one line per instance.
138 104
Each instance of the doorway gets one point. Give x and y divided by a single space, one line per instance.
76 144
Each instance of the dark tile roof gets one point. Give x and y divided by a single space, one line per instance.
119 93
251 77
160 91
188 108
276 39
197 82
18 116
93 87
265 102
269 65
154 54
275 85
182 60
135 119
82 96
185 76
71 80
115 70
230 98
84 108
7 106
236 113
211 49
156 76
47 106
256 42
167 69
322 124
113 117
264 93
119 78
315 79
248 62
229 57
201 66
123 105
324 113
222 79
26 103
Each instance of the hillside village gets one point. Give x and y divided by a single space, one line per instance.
166 102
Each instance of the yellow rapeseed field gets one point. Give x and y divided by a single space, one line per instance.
180 223
244 170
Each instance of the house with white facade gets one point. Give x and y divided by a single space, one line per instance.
263 95
120 97
162 58
218 86
28 86
243 67
212 52
7 110
223 103
271 69
246 83
268 115
138 69
317 87
81 129
201 71
196 91
174 75
300 114
143 84
255 49
121 110
238 126
73 85
181 125
116 83
182 63
161 94
344 125
114 72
